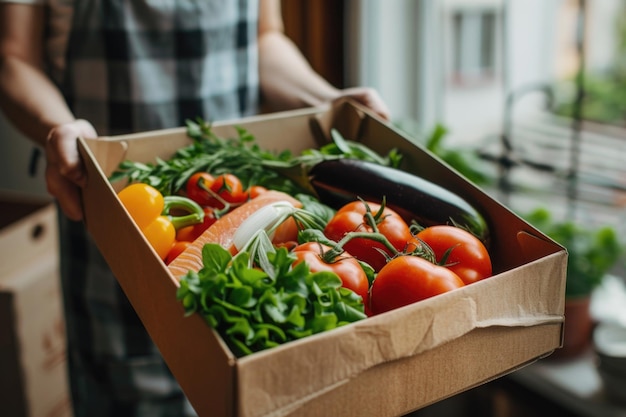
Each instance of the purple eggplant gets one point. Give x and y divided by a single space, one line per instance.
338 182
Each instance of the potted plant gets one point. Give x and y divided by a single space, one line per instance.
592 254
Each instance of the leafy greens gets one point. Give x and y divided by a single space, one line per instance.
256 309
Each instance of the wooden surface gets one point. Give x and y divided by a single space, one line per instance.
316 27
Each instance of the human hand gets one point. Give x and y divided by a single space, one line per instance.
65 173
368 97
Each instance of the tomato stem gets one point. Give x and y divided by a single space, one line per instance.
217 211
423 250
376 237
374 220
369 217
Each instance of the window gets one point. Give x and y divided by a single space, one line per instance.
474 45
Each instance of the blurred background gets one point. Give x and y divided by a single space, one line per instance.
525 97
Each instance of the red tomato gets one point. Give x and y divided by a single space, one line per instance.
229 188
191 233
177 249
255 190
468 257
197 186
350 218
344 265
409 279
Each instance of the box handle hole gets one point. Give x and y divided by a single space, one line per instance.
38 231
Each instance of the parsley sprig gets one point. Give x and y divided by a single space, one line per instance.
255 309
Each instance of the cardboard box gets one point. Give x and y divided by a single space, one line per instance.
386 365
33 381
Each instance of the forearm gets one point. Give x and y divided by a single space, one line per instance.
30 100
287 79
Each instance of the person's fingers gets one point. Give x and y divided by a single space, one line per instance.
61 150
64 170
66 192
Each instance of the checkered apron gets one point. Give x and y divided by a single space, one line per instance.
136 65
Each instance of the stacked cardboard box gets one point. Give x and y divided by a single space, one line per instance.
33 381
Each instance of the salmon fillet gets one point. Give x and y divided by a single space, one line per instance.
223 230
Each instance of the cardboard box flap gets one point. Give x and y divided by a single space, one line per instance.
536 245
111 152
345 115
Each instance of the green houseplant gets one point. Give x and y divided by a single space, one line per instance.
592 254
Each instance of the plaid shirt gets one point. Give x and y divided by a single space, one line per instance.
135 65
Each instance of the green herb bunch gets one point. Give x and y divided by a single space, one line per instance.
243 157
240 156
255 309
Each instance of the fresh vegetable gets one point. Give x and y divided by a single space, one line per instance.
315 255
256 190
177 248
143 202
316 235
408 279
341 181
458 250
266 219
229 191
255 309
343 148
191 233
151 212
369 217
220 192
198 186
161 235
